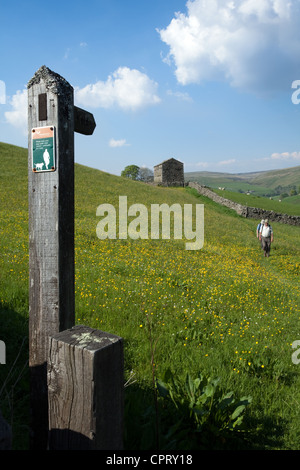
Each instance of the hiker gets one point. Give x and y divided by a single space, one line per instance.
266 236
261 223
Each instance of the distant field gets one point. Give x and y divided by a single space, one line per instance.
229 183
289 205
261 183
223 311
294 200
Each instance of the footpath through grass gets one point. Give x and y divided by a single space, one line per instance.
224 311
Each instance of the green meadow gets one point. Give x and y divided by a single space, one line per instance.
289 205
208 334
261 183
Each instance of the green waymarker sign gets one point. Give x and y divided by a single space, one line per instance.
43 149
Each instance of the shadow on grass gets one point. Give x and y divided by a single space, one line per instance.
147 430
14 376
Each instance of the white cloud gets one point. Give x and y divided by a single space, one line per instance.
126 88
199 164
117 143
285 156
67 53
227 162
18 116
254 44
180 95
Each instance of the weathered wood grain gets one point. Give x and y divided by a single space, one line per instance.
51 236
85 390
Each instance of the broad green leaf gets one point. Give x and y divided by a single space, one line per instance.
237 412
209 390
226 400
162 389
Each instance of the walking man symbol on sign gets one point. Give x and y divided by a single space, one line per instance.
46 158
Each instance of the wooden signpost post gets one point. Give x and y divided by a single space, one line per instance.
52 121
85 390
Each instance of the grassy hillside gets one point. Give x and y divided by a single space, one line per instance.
289 205
224 311
274 178
261 183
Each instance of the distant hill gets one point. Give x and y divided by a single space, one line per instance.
263 183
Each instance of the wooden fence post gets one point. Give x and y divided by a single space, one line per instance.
52 120
85 389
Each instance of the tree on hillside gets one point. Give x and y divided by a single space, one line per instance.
146 174
131 171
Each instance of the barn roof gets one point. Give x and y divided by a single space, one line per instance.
168 160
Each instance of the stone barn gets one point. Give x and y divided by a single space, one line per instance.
169 173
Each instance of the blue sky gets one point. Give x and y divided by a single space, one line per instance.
208 82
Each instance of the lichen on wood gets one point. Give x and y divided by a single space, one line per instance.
53 81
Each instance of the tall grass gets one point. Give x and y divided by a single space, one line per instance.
224 311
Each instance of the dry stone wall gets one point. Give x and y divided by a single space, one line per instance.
245 211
